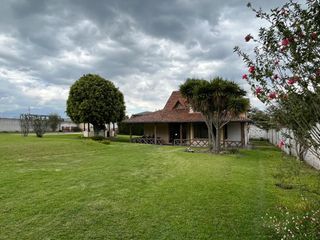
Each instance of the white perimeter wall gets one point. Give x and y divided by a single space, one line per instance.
13 125
257 133
276 136
9 125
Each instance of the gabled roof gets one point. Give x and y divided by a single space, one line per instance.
176 110
175 99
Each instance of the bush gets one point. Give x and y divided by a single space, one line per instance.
136 129
107 142
233 150
97 138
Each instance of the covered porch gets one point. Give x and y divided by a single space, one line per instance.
195 134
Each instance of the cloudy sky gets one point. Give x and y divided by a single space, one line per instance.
146 47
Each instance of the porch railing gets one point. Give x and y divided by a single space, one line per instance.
147 140
204 142
196 142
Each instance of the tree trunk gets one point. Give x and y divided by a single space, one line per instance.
210 137
218 147
301 151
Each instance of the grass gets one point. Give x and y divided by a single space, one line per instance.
65 187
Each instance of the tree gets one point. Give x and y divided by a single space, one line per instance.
284 67
260 118
39 124
92 99
136 129
218 100
53 121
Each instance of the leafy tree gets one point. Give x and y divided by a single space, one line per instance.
218 100
136 129
284 67
53 121
260 118
92 99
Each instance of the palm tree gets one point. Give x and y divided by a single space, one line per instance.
218 100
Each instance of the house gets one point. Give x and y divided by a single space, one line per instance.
178 124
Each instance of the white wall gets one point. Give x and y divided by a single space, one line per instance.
9 125
13 125
276 136
234 131
257 133
162 131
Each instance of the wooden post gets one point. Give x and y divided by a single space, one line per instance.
130 132
155 133
224 136
191 131
242 134
180 133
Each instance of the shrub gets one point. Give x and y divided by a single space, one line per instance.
107 142
233 150
97 138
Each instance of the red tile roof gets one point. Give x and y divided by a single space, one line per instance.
171 114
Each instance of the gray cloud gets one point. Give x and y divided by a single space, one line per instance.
147 48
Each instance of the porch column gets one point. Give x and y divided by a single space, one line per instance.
130 132
180 133
242 133
155 133
191 131
224 135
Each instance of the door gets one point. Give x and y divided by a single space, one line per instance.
174 131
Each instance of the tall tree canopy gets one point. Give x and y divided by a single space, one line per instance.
93 99
218 100
284 67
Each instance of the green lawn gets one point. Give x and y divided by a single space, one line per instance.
65 187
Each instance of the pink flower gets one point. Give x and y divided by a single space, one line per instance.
276 62
272 95
258 90
293 80
281 143
275 77
251 69
285 42
245 76
314 36
248 38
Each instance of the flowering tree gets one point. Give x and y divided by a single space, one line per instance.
284 67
